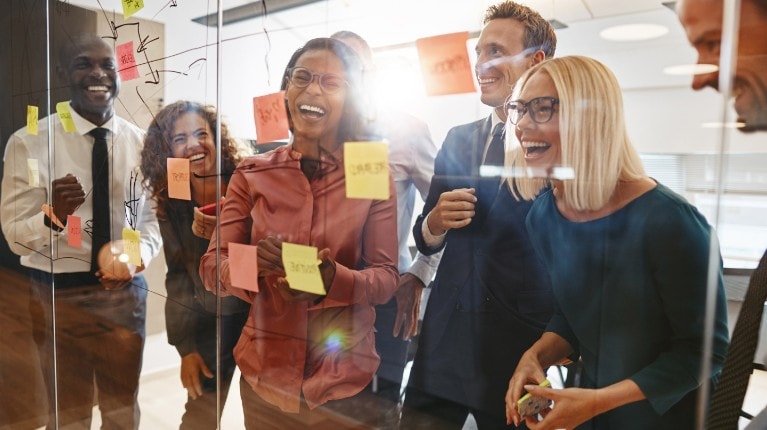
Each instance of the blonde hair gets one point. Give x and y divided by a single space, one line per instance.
592 128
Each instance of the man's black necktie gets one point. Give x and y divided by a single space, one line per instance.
738 365
100 233
495 151
488 186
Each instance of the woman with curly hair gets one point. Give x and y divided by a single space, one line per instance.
186 129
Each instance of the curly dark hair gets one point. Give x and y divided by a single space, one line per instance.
157 148
539 33
355 126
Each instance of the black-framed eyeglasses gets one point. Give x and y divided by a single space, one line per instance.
303 77
541 109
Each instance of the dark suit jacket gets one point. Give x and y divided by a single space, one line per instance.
491 298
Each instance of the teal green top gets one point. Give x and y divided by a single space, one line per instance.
630 295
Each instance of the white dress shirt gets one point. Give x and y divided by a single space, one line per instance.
43 248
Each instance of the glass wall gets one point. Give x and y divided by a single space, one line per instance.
131 336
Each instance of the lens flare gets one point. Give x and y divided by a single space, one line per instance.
334 341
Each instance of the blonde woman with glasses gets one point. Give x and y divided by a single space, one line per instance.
628 260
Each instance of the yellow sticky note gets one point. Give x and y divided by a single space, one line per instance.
302 268
132 6
366 165
33 169
178 179
66 118
32 120
131 241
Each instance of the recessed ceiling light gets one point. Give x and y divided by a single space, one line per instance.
633 32
723 124
690 69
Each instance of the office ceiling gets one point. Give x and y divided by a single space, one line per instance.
422 17
397 23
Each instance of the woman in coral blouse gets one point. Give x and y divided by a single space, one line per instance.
303 354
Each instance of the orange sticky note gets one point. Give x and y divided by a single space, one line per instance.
62 108
366 165
445 64
33 170
271 117
32 120
243 266
131 245
74 231
178 179
132 6
302 268
126 61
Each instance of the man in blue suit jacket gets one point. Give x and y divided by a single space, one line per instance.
491 298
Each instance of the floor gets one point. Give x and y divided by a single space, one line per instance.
161 395
162 399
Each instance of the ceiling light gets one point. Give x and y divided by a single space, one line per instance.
633 32
690 69
251 10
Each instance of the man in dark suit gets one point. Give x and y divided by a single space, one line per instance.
491 298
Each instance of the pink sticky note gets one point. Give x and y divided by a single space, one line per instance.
178 179
243 266
445 64
271 117
126 61
74 232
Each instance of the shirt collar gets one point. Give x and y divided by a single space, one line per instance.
84 126
494 120
329 161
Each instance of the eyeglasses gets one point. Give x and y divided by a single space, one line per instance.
303 77
541 109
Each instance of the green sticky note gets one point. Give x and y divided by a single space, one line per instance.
302 268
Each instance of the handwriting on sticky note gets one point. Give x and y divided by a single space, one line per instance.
131 6
62 108
74 231
32 120
366 165
127 61
271 117
302 268
178 179
243 266
445 64
33 170
131 245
